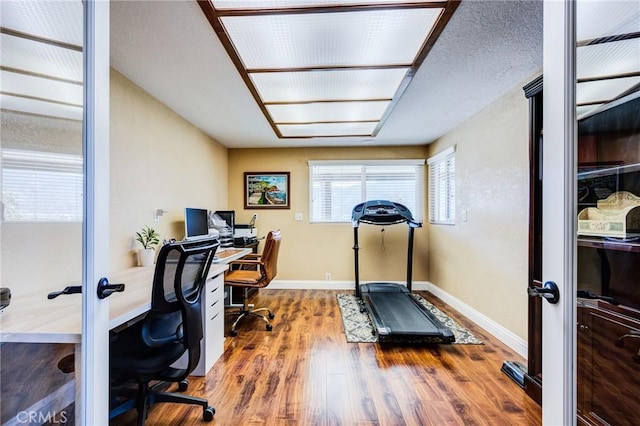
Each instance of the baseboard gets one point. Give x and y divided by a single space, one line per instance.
513 341
311 285
507 337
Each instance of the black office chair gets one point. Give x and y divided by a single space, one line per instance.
144 352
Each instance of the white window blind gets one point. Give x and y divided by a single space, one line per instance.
337 186
41 186
442 187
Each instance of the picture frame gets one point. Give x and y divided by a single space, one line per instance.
267 190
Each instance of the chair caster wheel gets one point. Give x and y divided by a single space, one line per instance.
269 327
233 333
183 385
271 316
207 414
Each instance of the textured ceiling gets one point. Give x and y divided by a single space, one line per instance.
169 49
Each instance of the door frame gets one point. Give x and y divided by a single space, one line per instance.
94 384
559 213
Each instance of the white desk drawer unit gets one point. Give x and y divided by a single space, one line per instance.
212 323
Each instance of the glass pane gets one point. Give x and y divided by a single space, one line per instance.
608 235
327 111
327 129
328 85
318 40
607 18
608 59
604 90
275 4
42 198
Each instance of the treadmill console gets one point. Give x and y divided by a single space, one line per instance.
381 212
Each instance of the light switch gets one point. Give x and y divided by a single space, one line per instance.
297 216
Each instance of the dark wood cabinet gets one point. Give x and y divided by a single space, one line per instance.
608 268
608 331
533 377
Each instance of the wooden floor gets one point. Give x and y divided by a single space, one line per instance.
305 373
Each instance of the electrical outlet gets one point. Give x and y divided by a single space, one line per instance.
297 216
255 216
464 215
327 276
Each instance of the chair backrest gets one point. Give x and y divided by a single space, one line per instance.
270 255
175 315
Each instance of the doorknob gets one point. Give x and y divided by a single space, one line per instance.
105 289
549 291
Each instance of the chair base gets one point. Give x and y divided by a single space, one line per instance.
147 395
246 312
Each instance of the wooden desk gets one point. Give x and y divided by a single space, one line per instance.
36 319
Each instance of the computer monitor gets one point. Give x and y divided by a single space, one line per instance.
196 223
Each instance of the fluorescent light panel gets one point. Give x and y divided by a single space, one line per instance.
604 90
608 58
281 4
41 88
326 129
40 58
327 68
605 18
328 85
369 38
31 106
327 111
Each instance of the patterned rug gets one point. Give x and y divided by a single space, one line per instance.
359 329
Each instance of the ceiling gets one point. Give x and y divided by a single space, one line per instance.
170 50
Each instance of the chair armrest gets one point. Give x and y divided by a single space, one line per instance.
251 256
245 262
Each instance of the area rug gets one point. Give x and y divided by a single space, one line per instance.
358 327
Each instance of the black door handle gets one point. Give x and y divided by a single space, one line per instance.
72 289
105 289
549 291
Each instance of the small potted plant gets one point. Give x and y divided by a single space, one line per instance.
149 239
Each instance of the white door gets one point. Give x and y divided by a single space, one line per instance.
591 73
55 230
558 223
94 398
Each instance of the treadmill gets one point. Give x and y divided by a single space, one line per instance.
395 314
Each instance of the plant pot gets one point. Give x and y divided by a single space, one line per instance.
146 257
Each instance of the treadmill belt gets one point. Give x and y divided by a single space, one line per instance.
399 313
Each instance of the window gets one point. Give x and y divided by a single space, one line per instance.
442 187
337 186
41 186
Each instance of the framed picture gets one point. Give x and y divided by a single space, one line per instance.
266 190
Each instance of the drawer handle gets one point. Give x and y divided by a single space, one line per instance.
215 316
633 334
215 303
215 289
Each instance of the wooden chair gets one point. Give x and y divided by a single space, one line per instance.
254 271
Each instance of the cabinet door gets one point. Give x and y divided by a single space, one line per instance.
608 364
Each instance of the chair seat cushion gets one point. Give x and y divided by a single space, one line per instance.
145 361
242 277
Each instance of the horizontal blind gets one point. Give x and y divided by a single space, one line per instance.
442 181
337 186
41 186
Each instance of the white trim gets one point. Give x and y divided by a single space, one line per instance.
399 162
442 155
513 341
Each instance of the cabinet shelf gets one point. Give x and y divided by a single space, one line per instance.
610 244
609 171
